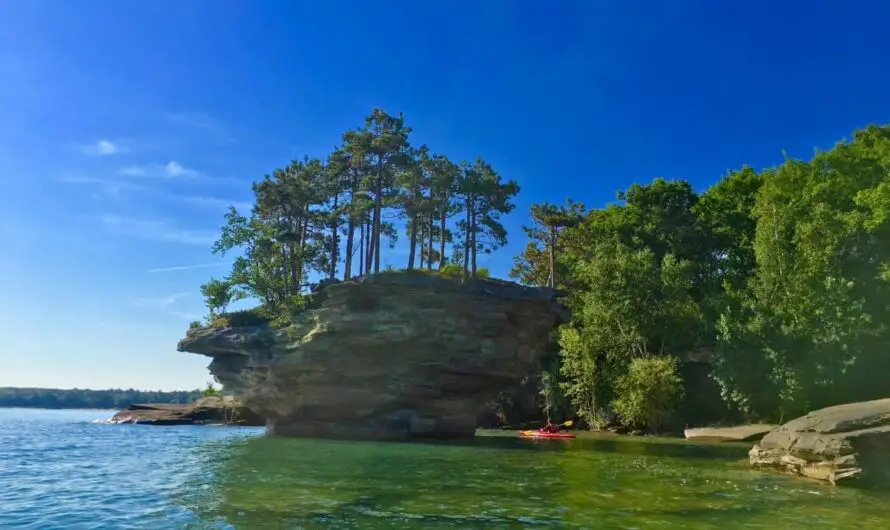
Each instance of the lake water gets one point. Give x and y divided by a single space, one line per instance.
60 471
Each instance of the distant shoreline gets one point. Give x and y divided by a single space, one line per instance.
110 399
26 407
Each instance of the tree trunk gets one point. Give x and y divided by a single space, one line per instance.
443 219
369 251
469 228
473 246
413 243
429 246
350 242
552 280
303 230
361 247
335 240
378 206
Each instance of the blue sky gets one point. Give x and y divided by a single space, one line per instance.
126 127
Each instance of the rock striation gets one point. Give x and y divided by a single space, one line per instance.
210 409
386 356
846 443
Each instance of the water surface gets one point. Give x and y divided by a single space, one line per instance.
58 470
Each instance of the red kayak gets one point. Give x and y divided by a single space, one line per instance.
541 434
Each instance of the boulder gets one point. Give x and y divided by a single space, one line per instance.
846 443
736 433
391 355
210 409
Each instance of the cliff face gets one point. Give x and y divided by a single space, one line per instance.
392 355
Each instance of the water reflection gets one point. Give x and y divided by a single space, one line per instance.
501 482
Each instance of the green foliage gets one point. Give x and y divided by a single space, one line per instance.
195 324
777 280
257 316
329 216
211 390
811 328
649 392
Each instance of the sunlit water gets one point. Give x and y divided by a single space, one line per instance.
58 470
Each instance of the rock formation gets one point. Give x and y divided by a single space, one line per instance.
210 409
736 433
392 355
846 443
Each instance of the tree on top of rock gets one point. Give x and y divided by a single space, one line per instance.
484 197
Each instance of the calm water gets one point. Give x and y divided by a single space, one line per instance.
59 470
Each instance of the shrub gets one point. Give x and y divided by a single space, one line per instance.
256 316
211 390
195 324
649 392
454 270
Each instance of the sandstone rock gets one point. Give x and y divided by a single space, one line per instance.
849 443
391 355
737 433
211 409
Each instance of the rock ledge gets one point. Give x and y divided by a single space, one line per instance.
846 443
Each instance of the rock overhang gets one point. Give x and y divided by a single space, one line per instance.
369 351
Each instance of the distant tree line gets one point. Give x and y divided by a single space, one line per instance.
337 215
762 298
78 398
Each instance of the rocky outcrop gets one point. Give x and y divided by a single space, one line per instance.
210 409
737 433
847 443
391 355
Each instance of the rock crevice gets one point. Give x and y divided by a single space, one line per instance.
391 355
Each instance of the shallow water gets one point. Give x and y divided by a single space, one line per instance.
58 470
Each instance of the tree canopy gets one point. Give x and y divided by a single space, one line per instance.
776 281
330 215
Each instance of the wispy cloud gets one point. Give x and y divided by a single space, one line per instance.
158 303
113 186
171 169
101 148
165 304
157 230
199 120
216 202
185 267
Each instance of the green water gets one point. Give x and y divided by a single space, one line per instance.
503 482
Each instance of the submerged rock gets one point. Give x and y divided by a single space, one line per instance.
847 443
211 409
392 355
736 433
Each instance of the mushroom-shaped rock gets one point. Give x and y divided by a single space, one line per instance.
387 356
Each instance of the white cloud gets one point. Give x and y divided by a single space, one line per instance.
134 171
172 169
185 267
157 230
101 148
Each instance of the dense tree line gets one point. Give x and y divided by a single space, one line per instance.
335 216
763 297
79 398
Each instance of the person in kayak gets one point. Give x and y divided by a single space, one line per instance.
550 428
